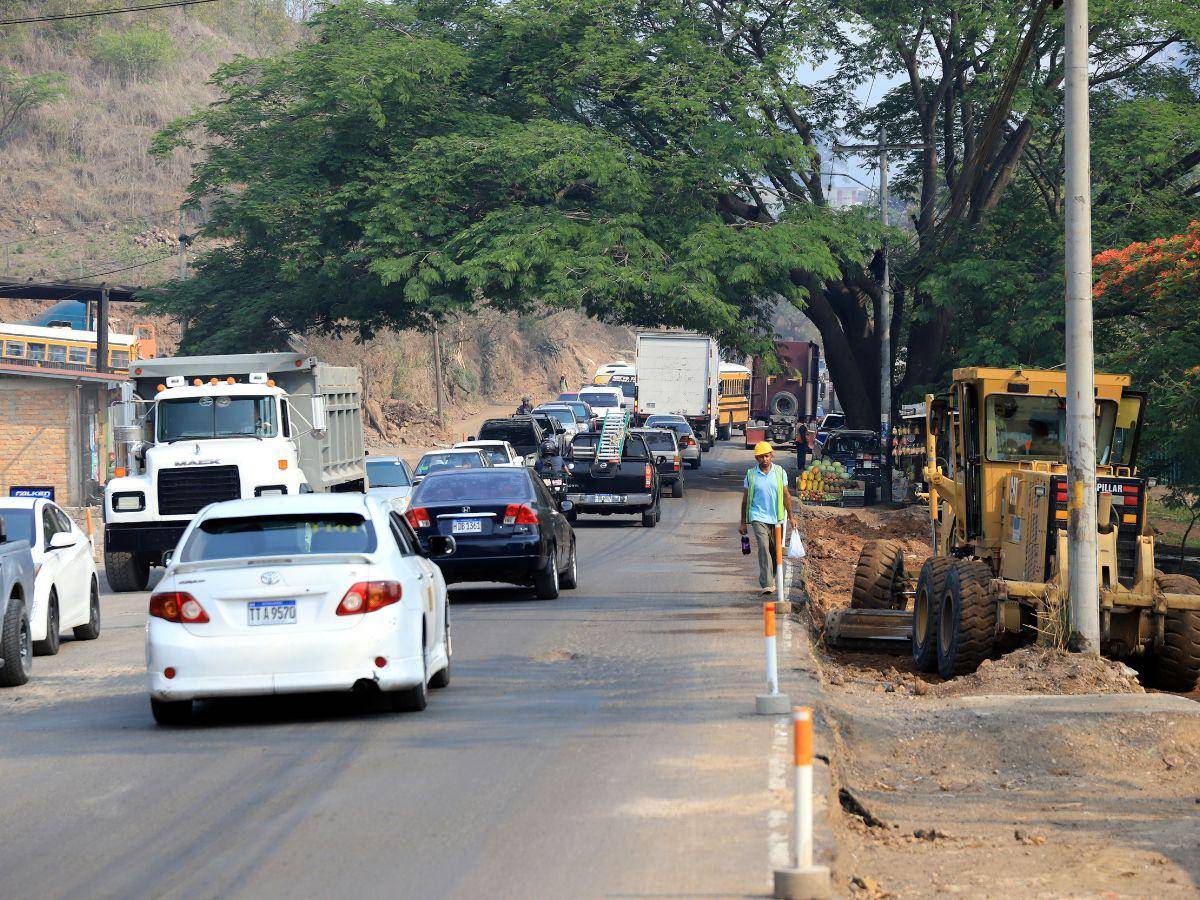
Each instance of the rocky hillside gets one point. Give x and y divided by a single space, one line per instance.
80 196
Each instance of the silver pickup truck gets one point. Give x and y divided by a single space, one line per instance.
16 592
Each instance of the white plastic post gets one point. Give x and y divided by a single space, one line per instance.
780 588
772 703
803 812
772 656
803 881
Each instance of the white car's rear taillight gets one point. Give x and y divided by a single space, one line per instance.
177 606
368 596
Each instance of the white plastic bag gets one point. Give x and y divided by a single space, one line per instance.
795 548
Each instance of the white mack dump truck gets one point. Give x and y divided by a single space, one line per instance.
196 430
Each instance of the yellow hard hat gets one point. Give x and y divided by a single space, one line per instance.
762 447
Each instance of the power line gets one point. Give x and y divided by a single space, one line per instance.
138 265
101 12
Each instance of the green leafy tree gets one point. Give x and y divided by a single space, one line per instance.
21 94
412 160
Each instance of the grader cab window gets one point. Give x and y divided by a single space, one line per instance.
1021 429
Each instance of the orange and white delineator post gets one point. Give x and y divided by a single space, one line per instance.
772 651
772 703
780 587
802 815
803 880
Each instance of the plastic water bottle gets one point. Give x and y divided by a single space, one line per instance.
745 545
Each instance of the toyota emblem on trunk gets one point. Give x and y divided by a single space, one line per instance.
269 578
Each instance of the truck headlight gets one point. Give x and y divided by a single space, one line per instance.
129 501
270 490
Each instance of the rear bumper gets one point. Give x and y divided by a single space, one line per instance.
246 665
510 560
143 537
634 504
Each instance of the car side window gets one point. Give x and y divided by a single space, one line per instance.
64 521
403 535
49 526
543 493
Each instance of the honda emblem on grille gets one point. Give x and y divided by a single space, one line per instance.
269 578
466 509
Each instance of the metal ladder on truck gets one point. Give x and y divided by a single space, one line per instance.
613 430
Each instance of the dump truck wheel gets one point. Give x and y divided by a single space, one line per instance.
927 605
1179 659
880 568
967 620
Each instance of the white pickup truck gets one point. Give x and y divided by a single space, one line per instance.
16 595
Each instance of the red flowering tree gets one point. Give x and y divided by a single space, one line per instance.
1147 299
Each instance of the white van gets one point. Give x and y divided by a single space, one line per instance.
602 399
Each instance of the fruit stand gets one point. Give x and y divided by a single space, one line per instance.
828 483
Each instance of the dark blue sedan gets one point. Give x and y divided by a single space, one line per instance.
506 525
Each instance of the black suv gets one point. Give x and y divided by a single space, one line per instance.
859 452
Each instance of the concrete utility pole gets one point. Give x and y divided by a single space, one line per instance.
102 331
1083 582
885 307
437 373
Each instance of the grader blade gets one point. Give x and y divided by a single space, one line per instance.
877 630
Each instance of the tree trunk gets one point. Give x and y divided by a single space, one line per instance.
860 401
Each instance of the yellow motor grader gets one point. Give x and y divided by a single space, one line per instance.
998 500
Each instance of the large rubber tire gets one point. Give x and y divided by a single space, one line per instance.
569 580
91 630
126 572
723 432
694 463
16 645
880 568
967 620
677 488
50 644
441 678
927 604
572 516
649 519
546 585
1179 660
785 403
171 712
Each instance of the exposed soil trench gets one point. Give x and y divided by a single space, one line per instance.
1042 775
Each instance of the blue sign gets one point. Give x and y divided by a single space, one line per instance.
40 492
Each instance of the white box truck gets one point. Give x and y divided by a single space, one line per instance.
678 374
197 430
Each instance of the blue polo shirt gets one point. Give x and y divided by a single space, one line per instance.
764 505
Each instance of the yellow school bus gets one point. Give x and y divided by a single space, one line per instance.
733 408
72 349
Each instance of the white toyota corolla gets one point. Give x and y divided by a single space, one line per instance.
314 592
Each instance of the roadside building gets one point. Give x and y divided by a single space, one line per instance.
52 432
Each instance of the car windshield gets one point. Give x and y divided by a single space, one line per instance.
579 408
497 455
853 443
196 418
454 487
292 534
601 400
659 441
664 421
563 415
682 429
1035 428
628 388
520 434
18 524
436 462
389 473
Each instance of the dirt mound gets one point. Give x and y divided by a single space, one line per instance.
1039 670
834 540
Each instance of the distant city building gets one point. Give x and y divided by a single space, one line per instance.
843 196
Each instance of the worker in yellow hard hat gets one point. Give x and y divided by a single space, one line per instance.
765 502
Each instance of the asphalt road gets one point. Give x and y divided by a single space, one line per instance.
603 744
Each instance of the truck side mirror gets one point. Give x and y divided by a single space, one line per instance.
320 416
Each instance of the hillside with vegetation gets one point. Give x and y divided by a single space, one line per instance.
81 195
